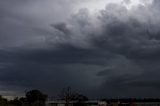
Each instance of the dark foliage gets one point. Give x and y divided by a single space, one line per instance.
33 98
36 98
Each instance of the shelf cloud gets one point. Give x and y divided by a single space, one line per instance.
53 44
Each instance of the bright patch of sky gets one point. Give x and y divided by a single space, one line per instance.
96 5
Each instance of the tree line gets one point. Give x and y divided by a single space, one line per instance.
32 98
37 98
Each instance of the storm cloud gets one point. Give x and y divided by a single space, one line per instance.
49 45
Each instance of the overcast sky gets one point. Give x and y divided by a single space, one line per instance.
100 48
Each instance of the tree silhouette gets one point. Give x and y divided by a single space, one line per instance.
3 101
36 98
68 95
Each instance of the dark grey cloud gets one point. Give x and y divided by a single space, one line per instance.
62 28
114 52
52 69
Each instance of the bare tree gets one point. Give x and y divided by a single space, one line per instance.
68 95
